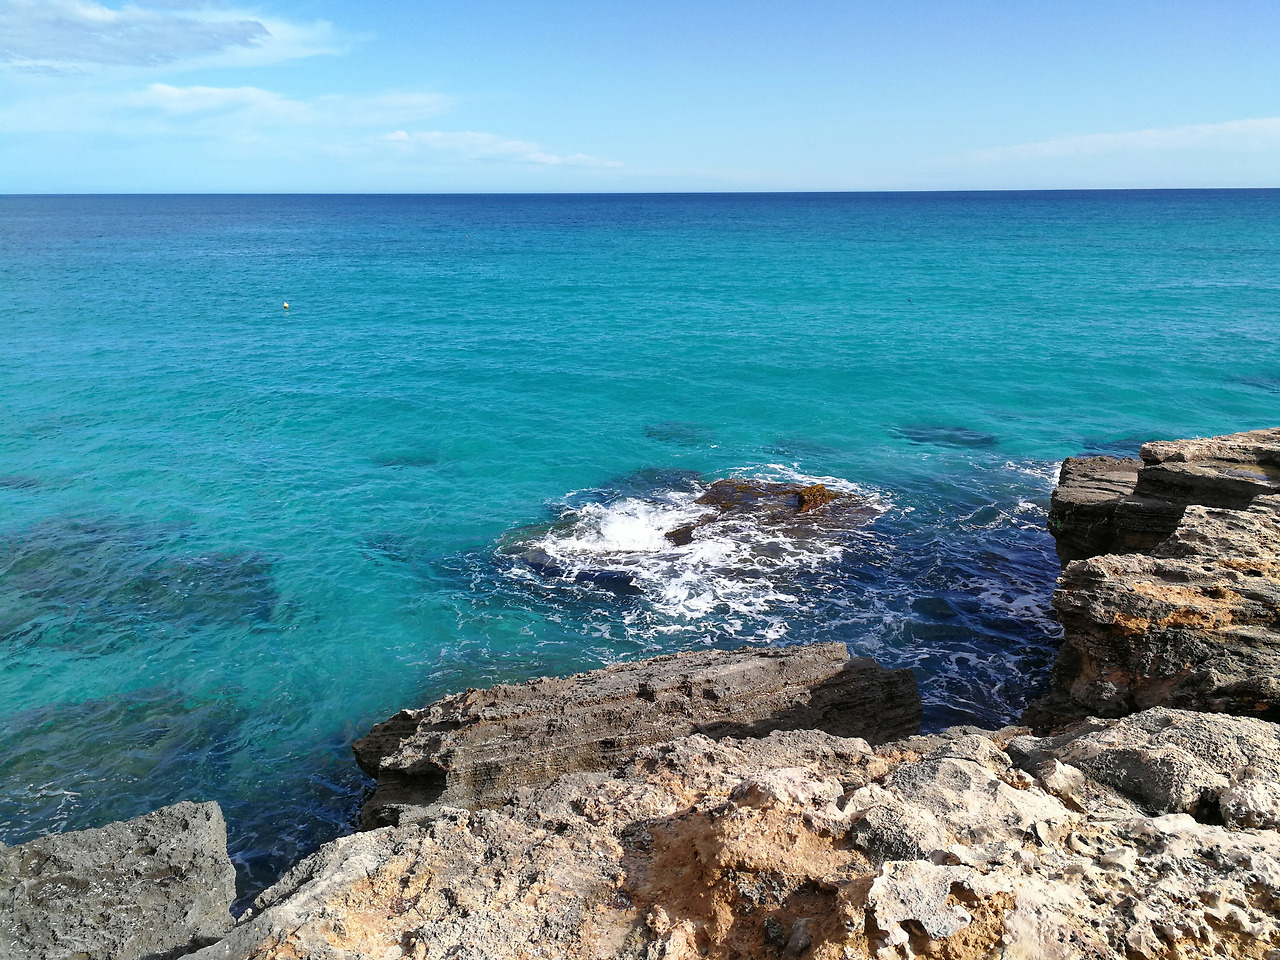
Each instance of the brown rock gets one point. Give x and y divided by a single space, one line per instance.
1094 511
1195 625
800 510
1104 505
477 748
814 496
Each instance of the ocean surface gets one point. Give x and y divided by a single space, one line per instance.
234 536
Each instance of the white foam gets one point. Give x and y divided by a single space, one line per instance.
1045 471
732 568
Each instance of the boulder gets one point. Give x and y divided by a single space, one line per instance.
477 748
152 888
1218 769
797 509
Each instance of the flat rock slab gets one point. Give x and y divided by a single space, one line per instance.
476 749
153 888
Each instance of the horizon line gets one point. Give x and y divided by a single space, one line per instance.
631 193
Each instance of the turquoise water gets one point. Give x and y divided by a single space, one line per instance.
233 536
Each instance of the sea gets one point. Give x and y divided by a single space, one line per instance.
234 534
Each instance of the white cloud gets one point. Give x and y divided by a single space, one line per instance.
1233 135
368 111
164 110
473 146
78 35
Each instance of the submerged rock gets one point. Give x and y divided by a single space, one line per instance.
806 845
947 436
476 749
153 888
68 581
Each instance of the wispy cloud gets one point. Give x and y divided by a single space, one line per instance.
1261 133
53 36
162 109
472 146
367 111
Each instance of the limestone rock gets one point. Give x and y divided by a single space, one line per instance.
1228 471
1213 767
1194 625
1093 510
147 889
478 748
734 849
1105 505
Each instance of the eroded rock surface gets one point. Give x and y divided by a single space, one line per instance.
152 888
475 749
1195 624
1107 505
967 844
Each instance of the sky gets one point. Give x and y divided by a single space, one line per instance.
438 96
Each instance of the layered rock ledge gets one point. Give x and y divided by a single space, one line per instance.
1109 505
477 748
1192 621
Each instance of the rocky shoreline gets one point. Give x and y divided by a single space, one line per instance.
781 803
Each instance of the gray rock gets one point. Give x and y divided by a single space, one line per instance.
892 829
971 800
153 888
478 748
1176 761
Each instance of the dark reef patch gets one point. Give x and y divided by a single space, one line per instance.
1267 384
401 461
678 432
947 436
63 580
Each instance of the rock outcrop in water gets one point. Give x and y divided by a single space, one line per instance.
477 748
1149 837
153 888
1194 620
798 508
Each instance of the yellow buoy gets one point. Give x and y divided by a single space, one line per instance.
286 306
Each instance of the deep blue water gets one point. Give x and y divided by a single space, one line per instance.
233 536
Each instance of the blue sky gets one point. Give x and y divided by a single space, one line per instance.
487 95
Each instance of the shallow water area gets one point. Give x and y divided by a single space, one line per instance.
232 537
